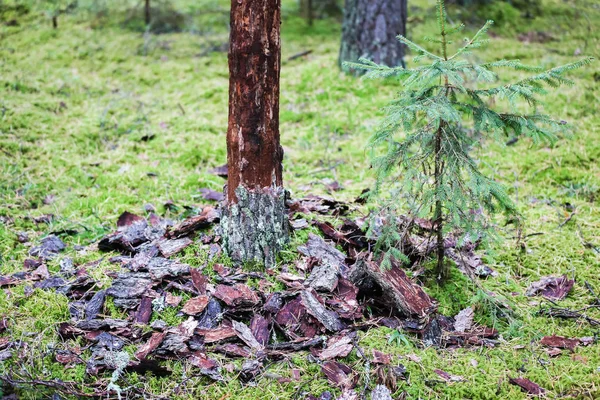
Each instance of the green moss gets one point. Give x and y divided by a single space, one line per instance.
118 86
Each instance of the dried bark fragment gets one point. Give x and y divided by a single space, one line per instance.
560 342
49 247
151 345
95 305
464 320
101 324
274 303
528 386
553 288
250 370
233 350
448 377
169 247
127 219
200 281
297 346
126 238
337 346
144 312
209 194
408 297
224 331
323 278
260 329
208 366
130 286
344 301
381 393
381 358
160 268
67 357
238 295
328 318
211 315
339 374
245 334
195 305
192 224
328 255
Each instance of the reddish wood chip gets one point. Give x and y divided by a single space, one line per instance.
151 345
381 358
144 312
337 346
233 350
202 361
554 288
339 374
559 342
67 357
448 377
238 295
195 305
127 219
528 386
260 329
225 331
199 280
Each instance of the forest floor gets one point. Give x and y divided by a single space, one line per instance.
98 118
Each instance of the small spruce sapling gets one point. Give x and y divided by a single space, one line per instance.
438 103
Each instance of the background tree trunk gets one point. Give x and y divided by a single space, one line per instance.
315 9
369 30
147 15
254 222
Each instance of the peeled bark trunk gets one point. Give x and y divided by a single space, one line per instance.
369 30
254 221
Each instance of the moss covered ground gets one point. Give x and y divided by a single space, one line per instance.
98 117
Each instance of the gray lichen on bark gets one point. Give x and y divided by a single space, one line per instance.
256 227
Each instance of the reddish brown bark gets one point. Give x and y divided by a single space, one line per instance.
254 154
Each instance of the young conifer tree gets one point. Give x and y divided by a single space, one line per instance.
443 108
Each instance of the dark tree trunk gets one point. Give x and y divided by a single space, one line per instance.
254 221
147 15
369 30
55 21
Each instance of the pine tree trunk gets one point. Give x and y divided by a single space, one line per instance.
311 9
254 222
369 30
55 21
147 15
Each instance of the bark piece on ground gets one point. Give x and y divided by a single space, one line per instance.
381 393
550 287
49 247
168 247
560 342
206 218
160 268
211 315
101 324
213 335
208 367
337 346
233 350
245 334
344 300
328 318
325 253
126 238
408 297
259 326
130 285
323 278
250 370
221 171
381 358
464 320
528 386
195 305
339 374
274 303
144 312
297 346
448 377
238 295
199 280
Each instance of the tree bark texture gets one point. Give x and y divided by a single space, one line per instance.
254 222
369 30
147 15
